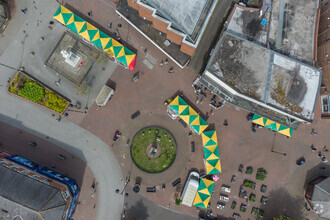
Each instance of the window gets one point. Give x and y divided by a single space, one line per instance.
325 100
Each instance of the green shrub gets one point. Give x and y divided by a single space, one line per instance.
261 174
249 170
55 102
32 91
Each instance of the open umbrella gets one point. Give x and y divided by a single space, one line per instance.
215 178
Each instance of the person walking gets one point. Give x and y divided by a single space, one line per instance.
225 123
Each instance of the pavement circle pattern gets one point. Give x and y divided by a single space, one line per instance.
153 149
182 148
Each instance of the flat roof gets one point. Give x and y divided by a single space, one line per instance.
79 61
293 26
185 15
265 75
246 22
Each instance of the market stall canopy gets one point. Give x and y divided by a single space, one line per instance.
204 193
272 125
211 152
189 115
95 36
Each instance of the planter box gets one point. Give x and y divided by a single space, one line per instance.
37 93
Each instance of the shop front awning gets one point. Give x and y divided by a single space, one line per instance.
95 36
211 152
272 125
188 114
204 193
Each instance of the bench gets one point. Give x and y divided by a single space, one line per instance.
136 114
176 182
151 189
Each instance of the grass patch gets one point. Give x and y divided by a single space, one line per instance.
29 89
167 147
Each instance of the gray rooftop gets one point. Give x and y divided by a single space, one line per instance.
83 53
246 24
293 27
186 15
266 76
30 193
321 198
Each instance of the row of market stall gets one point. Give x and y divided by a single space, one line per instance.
95 36
210 145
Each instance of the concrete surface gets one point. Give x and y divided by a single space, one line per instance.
184 14
27 30
292 28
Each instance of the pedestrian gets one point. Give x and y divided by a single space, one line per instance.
52 166
90 13
59 118
23 10
225 123
322 168
145 51
110 25
117 190
161 63
211 112
166 61
325 148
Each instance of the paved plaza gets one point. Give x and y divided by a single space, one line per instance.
90 136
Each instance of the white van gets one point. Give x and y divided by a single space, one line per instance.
190 189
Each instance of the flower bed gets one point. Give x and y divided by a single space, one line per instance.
258 212
249 170
252 197
261 174
27 88
249 184
243 208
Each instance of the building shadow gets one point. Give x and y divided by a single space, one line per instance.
48 152
282 202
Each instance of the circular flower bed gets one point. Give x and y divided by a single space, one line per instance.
153 150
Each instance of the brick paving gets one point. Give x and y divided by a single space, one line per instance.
15 141
237 143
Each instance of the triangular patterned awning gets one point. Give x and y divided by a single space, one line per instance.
204 193
188 114
95 36
211 152
272 125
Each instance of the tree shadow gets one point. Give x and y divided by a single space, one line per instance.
139 210
281 202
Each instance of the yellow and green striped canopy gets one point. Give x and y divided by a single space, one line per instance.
204 193
211 152
272 125
95 36
188 114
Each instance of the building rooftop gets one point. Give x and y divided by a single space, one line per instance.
321 198
246 24
29 197
187 16
72 58
292 28
265 75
